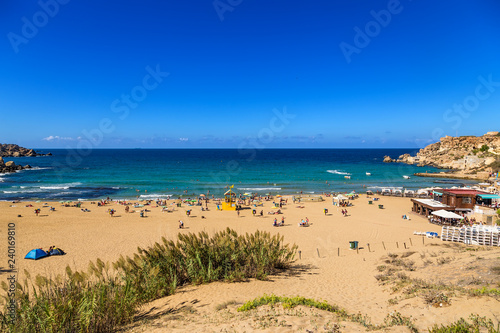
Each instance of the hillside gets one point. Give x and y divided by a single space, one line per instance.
468 154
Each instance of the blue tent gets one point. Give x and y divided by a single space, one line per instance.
36 254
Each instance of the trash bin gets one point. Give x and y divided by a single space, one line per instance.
370 202
381 206
353 245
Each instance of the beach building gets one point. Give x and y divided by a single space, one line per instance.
427 206
462 199
466 201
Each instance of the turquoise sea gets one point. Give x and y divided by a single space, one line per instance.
158 173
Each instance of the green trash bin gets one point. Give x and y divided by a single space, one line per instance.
370 202
353 245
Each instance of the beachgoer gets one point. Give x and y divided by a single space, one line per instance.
181 224
283 221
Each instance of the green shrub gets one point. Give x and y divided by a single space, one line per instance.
96 301
484 148
478 324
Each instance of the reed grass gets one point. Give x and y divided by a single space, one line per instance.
99 300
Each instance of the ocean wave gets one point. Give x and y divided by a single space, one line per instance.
60 186
337 172
14 189
390 187
154 196
54 187
39 168
259 188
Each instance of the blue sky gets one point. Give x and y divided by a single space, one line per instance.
241 73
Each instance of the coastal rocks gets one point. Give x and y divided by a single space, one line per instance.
407 158
10 166
388 159
469 154
11 150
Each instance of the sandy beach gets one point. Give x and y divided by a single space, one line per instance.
325 270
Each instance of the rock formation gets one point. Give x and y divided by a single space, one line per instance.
11 150
388 159
469 154
10 166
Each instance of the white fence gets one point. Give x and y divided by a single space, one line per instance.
475 235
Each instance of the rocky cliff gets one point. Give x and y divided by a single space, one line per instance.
11 150
465 153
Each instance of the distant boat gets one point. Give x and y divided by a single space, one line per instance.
406 177
368 174
347 177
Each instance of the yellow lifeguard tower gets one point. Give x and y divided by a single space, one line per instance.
229 200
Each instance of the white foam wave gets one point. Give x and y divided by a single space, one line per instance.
54 187
38 168
28 190
259 188
337 172
154 196
389 187
60 186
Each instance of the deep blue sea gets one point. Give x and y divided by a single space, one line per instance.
158 173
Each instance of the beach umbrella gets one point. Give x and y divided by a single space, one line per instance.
36 254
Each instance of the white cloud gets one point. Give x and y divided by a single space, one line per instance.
57 137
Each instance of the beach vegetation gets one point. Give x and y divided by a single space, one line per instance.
476 324
224 305
392 319
484 148
443 260
100 300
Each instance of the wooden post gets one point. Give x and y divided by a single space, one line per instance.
411 243
404 245
383 245
300 254
423 240
318 252
338 252
397 245
357 249
369 250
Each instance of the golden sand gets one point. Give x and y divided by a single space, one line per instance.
327 268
